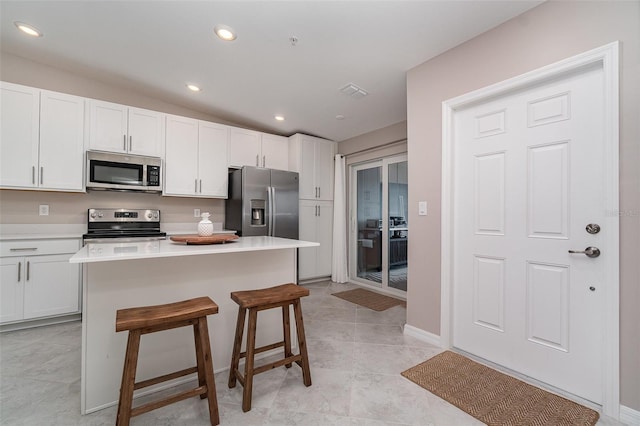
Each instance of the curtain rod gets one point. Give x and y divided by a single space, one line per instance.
396 142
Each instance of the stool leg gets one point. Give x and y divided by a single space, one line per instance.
286 331
237 346
205 363
128 379
248 366
302 343
202 379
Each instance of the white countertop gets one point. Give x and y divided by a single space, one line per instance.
108 252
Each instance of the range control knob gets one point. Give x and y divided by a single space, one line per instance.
149 215
155 215
93 215
100 214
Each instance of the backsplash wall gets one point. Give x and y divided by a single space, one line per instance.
21 207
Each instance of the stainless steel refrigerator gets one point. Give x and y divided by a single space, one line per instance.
262 202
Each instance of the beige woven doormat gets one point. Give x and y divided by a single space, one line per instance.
369 299
493 397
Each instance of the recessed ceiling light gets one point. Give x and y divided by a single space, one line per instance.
225 32
279 117
28 29
339 117
193 87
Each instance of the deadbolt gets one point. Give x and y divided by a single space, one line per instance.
589 252
593 228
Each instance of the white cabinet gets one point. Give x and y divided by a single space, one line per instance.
42 139
251 148
316 224
37 279
196 158
313 158
123 129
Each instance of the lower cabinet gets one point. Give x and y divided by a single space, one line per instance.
316 224
37 280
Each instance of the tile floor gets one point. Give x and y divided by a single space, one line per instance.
356 357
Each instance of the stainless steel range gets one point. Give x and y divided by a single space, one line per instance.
123 225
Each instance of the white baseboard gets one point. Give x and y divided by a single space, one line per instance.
629 416
420 334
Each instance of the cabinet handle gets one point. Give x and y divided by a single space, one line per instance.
33 175
124 142
19 269
28 264
24 249
201 186
196 187
318 192
257 160
130 143
41 175
264 159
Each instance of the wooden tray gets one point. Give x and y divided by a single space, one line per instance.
197 239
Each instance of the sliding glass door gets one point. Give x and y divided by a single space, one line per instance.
378 223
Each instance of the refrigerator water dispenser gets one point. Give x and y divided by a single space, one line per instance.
257 212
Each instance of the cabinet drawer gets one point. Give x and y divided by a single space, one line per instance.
38 247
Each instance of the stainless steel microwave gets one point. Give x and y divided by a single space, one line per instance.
123 172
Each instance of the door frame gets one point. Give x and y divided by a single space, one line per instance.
383 163
605 57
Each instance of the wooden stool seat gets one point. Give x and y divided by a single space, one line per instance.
150 319
281 296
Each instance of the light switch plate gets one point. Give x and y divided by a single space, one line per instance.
43 210
422 208
196 212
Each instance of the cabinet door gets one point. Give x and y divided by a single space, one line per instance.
11 293
51 286
275 152
145 132
324 166
61 141
307 257
181 153
212 160
308 188
108 126
325 238
244 148
19 133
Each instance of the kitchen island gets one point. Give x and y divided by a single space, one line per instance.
123 275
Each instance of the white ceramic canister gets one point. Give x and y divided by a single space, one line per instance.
205 226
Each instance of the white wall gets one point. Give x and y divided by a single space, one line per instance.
546 34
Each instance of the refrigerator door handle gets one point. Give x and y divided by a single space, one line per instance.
269 211
273 211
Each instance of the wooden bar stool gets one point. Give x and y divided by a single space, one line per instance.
258 300
150 319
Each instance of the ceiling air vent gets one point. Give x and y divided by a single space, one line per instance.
354 91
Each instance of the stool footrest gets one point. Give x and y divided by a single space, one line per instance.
279 363
264 349
170 400
160 379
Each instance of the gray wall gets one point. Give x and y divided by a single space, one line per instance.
546 34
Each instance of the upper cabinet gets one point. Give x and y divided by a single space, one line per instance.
123 129
313 158
42 139
251 148
196 158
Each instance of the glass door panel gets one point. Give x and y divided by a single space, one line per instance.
398 234
368 201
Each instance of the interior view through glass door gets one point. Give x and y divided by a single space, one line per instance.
379 226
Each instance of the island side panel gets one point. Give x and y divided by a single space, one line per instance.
110 286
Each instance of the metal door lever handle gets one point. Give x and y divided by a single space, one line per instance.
589 252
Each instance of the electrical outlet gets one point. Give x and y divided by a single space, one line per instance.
196 212
44 210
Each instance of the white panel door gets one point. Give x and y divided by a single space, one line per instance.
275 152
325 237
244 148
19 135
528 179
181 150
145 132
108 128
308 231
51 286
324 169
11 288
308 190
213 176
61 141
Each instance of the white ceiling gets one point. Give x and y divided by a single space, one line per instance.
156 47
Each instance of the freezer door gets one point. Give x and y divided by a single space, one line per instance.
255 195
284 204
